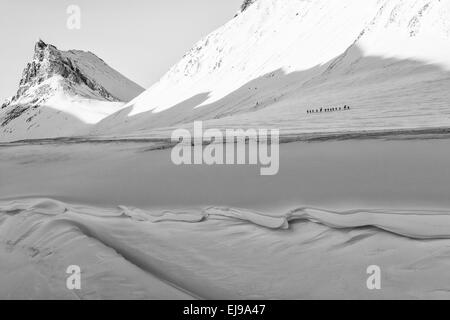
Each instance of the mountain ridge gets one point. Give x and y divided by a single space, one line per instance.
273 39
74 85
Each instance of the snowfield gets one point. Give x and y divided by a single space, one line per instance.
387 59
355 188
138 229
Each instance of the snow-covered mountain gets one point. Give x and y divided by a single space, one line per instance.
277 59
61 93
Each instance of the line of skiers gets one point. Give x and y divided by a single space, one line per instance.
331 109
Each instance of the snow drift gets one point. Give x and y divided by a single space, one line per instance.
124 256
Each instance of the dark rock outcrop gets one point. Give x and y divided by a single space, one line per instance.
47 62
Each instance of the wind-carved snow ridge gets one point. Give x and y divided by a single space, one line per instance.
409 223
142 254
278 39
62 91
417 224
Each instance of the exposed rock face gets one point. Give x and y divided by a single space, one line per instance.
246 4
47 62
61 90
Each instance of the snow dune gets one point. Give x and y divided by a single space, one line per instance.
126 253
416 224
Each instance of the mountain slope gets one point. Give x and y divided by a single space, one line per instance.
389 59
61 92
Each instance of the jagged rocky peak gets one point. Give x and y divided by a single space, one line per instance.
61 92
246 4
40 47
36 71
48 61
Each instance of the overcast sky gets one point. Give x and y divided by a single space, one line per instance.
141 39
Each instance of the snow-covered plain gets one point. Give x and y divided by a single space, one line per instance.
141 227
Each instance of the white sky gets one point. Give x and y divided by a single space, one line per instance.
141 39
